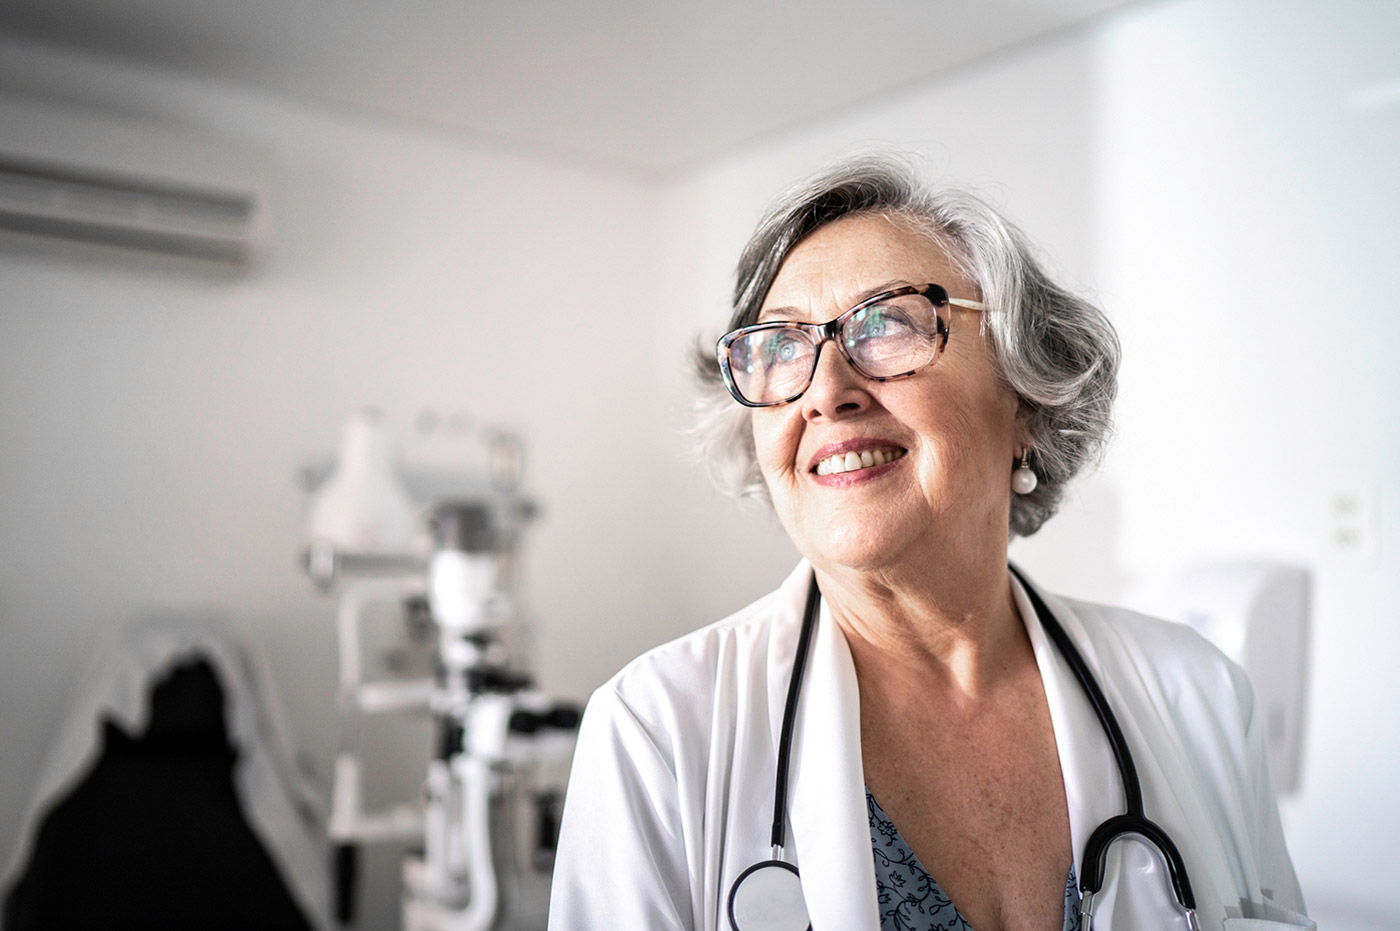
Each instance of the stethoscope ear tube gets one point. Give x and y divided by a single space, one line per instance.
768 895
1096 855
804 644
1127 769
1134 821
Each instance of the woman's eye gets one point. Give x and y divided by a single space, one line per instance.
876 322
785 347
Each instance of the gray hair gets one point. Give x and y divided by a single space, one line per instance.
1056 351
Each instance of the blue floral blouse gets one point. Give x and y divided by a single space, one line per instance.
909 898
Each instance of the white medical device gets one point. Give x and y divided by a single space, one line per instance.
362 506
488 814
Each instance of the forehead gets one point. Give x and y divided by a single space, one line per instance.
848 260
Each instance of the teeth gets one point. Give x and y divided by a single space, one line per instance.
850 462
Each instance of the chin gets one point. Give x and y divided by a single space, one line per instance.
860 548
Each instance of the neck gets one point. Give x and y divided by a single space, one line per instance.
953 627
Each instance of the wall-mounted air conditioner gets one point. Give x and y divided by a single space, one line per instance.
71 178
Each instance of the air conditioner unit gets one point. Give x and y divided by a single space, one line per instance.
73 178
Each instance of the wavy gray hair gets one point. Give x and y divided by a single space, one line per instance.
1056 351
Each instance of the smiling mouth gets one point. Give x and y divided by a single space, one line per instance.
851 462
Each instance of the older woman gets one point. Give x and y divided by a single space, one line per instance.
908 734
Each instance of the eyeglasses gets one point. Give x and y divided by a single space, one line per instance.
890 335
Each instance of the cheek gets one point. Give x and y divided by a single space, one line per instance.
775 442
969 435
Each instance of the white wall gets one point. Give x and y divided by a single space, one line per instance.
1246 239
1220 173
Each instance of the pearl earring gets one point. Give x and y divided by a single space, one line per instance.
1023 480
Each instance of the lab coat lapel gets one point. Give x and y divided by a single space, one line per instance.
830 825
1093 789
828 822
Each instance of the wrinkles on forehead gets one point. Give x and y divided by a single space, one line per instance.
840 301
852 259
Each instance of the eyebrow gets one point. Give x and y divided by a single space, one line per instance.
792 313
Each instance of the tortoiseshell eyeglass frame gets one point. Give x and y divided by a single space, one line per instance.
819 333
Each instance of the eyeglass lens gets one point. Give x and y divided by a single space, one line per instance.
894 337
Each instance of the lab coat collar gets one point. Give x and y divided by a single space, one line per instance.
1093 789
1093 784
828 825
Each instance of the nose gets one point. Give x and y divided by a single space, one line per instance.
837 390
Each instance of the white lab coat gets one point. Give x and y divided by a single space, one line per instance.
671 795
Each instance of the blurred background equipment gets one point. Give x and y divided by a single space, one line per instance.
171 797
1259 613
488 813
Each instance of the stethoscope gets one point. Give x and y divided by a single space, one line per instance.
768 895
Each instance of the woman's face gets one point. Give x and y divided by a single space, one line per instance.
948 431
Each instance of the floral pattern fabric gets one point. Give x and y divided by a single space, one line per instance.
909 898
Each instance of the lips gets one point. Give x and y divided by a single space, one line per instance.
838 461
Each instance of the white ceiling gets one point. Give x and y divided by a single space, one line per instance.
650 87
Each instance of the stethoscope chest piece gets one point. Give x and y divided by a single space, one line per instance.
768 897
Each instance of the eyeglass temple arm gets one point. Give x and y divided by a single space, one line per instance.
970 305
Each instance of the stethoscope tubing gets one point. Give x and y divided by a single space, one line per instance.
1127 769
763 872
1133 821
799 668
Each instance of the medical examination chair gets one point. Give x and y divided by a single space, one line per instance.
171 799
